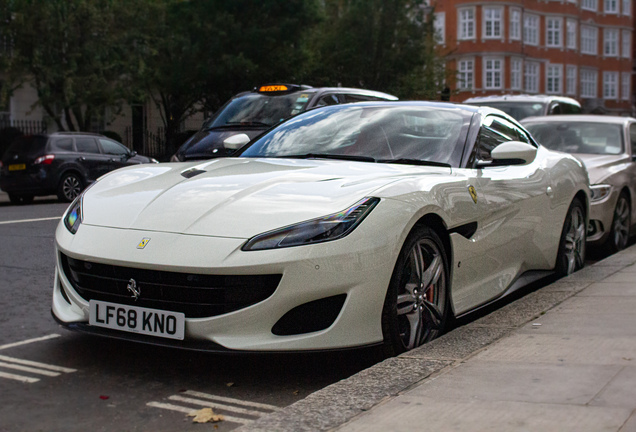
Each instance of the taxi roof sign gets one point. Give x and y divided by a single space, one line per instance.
273 88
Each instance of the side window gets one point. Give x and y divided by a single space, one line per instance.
632 137
63 144
86 145
350 98
555 109
330 99
112 147
494 131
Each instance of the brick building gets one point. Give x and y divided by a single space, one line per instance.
578 48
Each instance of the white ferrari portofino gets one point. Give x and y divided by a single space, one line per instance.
349 225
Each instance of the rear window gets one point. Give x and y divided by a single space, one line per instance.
28 145
579 137
63 144
86 145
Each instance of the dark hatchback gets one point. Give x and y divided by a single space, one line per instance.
61 163
249 114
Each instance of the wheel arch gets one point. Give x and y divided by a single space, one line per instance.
71 170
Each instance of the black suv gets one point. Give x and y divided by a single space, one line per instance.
249 114
61 163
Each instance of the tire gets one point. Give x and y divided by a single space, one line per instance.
619 234
571 255
20 199
70 186
417 306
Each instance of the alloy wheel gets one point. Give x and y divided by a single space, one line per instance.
71 187
620 225
575 240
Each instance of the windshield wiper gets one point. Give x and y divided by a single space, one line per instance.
407 161
329 156
247 123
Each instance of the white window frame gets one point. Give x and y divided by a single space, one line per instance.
610 7
589 83
439 25
554 78
466 25
610 85
516 73
589 40
493 76
531 25
626 85
570 80
465 74
531 76
610 42
591 5
515 24
626 44
570 33
553 32
627 7
496 21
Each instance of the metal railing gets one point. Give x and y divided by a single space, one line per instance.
27 127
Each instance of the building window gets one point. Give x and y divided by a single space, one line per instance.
610 42
465 76
553 32
531 77
627 7
571 34
589 5
626 81
466 25
627 43
492 22
439 24
554 79
588 83
589 40
531 29
515 73
570 80
515 24
493 70
610 6
610 85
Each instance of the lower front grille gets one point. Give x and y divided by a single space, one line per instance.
195 295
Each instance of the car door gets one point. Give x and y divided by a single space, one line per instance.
119 156
513 200
90 158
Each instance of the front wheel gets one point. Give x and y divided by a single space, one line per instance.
571 255
70 187
416 307
619 234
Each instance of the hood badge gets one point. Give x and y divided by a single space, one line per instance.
133 289
473 193
142 244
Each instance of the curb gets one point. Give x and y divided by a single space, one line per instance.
340 402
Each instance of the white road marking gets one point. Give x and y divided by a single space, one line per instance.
28 341
18 377
28 369
257 405
186 410
30 220
37 364
217 405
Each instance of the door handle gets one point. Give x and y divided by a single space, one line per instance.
81 158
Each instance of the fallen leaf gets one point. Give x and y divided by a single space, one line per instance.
104 397
230 384
296 392
205 415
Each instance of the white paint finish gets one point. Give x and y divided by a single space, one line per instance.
21 378
28 341
37 364
28 369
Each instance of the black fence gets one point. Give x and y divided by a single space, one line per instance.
147 143
27 127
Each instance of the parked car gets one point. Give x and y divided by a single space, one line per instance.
349 225
607 147
251 113
61 163
522 106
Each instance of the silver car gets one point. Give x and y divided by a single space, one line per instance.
607 147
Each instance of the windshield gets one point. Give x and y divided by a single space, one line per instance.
579 137
399 133
517 110
256 109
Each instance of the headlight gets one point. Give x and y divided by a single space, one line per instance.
600 192
319 230
75 214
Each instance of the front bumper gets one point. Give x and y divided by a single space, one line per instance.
601 218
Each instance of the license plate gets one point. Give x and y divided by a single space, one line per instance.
17 167
136 319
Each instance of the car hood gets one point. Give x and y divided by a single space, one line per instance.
234 197
207 144
599 167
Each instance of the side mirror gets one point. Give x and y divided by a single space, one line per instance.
235 142
511 153
132 153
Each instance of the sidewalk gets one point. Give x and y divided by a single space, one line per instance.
562 358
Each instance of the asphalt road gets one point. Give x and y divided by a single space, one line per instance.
52 379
